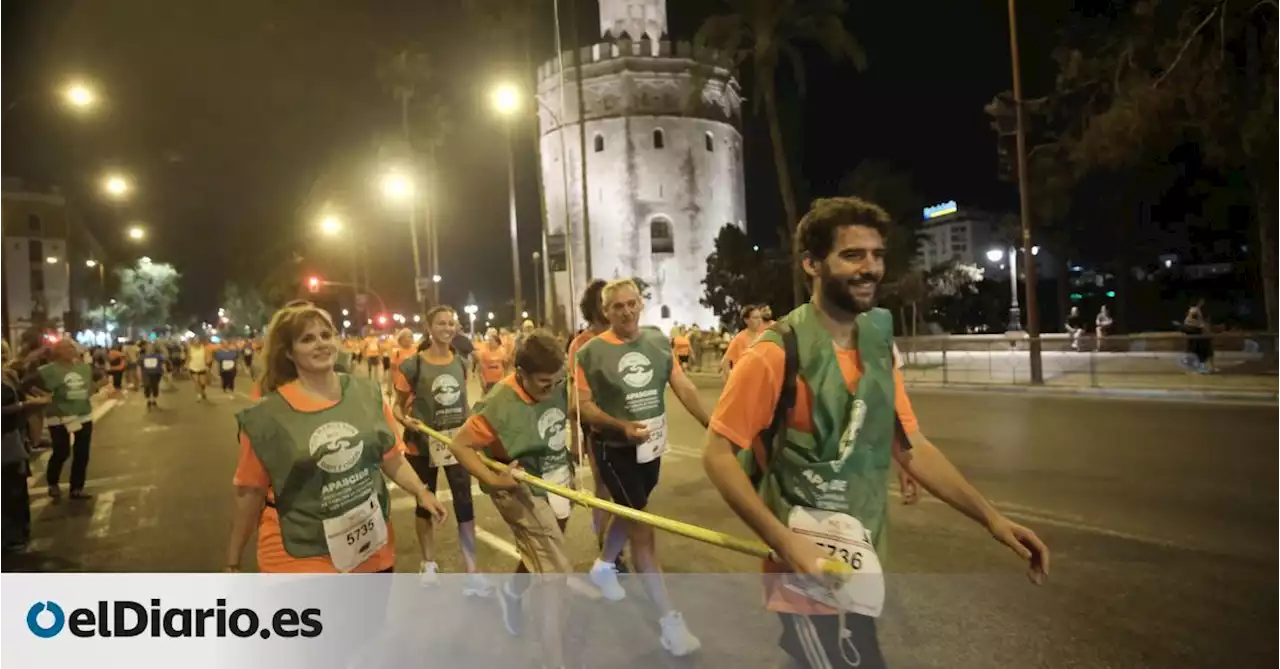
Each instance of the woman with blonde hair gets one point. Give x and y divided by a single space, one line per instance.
315 427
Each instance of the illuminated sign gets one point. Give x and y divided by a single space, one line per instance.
940 210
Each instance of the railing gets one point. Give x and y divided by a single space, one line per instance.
1224 362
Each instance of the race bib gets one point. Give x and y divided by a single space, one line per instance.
843 538
228 365
356 534
656 444
150 363
561 476
441 456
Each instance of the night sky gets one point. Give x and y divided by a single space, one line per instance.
228 114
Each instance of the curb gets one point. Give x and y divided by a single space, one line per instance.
714 380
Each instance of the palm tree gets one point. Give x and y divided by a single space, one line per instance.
764 34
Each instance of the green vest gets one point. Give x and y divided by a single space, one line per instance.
808 469
628 381
71 386
321 463
535 435
440 394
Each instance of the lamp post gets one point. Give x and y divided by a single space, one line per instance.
1024 200
1015 312
471 311
506 101
398 186
537 288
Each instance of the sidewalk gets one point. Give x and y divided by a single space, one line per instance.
1155 380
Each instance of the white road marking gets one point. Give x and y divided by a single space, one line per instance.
90 484
100 523
102 409
501 545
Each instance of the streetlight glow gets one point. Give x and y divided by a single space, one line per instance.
91 263
1035 250
116 186
137 234
435 278
52 260
490 315
506 99
995 255
144 260
345 313
397 186
330 225
79 95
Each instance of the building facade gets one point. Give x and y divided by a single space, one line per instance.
45 257
663 162
951 233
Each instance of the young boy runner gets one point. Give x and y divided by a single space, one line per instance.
801 442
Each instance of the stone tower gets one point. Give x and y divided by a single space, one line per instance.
664 161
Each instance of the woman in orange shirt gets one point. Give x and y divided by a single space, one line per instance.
314 427
491 361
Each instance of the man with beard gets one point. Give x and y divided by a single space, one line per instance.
801 442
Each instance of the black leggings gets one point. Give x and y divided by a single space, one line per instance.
117 378
17 503
459 485
228 379
63 448
151 385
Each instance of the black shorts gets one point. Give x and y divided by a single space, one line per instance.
373 361
814 642
629 482
684 360
386 362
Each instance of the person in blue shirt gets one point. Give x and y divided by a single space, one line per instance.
151 365
226 358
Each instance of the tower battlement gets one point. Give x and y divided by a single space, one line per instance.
647 49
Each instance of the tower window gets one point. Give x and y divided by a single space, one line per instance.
666 311
599 143
711 142
659 141
660 239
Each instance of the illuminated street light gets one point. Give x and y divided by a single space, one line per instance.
995 255
117 186
346 324
52 260
435 278
1035 250
144 260
91 263
490 315
506 99
331 225
524 314
345 313
79 95
137 234
417 318
397 186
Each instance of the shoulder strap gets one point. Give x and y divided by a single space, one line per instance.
786 401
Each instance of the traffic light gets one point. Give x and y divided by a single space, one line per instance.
382 320
313 284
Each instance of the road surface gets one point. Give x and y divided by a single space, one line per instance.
1162 518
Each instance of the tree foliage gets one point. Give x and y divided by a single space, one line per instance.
770 34
148 291
1146 95
738 275
243 306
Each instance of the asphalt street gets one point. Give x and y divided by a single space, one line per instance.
1161 516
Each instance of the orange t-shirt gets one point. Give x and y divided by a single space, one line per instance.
493 362
680 346
399 355
580 377
739 345
250 472
746 409
371 347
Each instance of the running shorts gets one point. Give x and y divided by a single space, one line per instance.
629 482
814 642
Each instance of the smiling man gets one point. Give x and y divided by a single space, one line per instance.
801 442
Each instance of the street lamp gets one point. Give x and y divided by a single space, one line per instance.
116 186
537 286
91 263
490 315
471 310
144 260
330 225
52 260
137 234
435 278
79 95
397 186
506 101
1015 312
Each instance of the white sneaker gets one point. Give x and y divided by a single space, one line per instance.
477 585
605 576
429 574
676 637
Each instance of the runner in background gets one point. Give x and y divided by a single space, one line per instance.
491 361
753 322
620 380
226 358
431 392
152 366
373 358
592 310
116 364
821 470
405 348
681 347
198 364
309 528
523 423
132 351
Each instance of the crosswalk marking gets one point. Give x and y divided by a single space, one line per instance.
100 523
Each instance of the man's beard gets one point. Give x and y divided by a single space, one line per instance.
836 291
